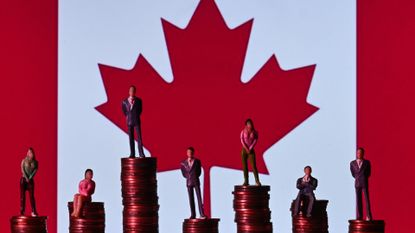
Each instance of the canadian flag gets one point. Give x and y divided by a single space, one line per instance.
319 78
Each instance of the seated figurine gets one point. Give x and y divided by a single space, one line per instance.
306 184
86 189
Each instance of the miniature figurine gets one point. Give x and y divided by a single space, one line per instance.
249 138
29 168
360 169
132 108
306 184
191 169
86 189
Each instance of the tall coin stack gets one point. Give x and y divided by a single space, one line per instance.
92 221
27 224
361 226
317 223
208 225
251 205
139 193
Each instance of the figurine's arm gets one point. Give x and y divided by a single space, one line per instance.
243 142
91 188
300 185
124 108
199 169
253 144
23 171
314 183
31 175
351 169
183 169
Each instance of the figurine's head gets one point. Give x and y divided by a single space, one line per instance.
132 90
249 124
190 152
30 153
307 170
360 153
89 174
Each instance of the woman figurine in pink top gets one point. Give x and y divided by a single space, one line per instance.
249 138
86 189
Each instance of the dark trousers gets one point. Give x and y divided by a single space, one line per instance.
30 187
192 200
251 156
309 198
139 140
359 204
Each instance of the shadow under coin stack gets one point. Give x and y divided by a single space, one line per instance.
92 218
251 205
139 193
361 226
209 225
317 223
28 224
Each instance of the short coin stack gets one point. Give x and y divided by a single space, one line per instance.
361 226
209 225
251 205
92 218
317 223
139 193
27 224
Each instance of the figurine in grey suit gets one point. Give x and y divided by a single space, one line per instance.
360 169
132 108
306 184
191 169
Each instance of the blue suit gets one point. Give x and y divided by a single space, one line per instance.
361 183
306 192
132 114
192 174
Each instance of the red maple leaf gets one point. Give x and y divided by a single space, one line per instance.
206 104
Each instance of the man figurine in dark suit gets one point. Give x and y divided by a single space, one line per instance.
191 170
306 184
132 107
360 169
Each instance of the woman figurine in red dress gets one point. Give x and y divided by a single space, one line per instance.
86 189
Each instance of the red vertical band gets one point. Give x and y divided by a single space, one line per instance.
28 99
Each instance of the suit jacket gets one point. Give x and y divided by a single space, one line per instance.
132 114
361 175
308 187
192 173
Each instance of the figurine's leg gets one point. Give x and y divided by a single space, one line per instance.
81 202
31 188
244 156
131 137
75 205
297 201
359 207
252 160
191 202
311 199
139 141
199 201
367 200
22 195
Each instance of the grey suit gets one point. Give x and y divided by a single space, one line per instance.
192 174
306 191
361 176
